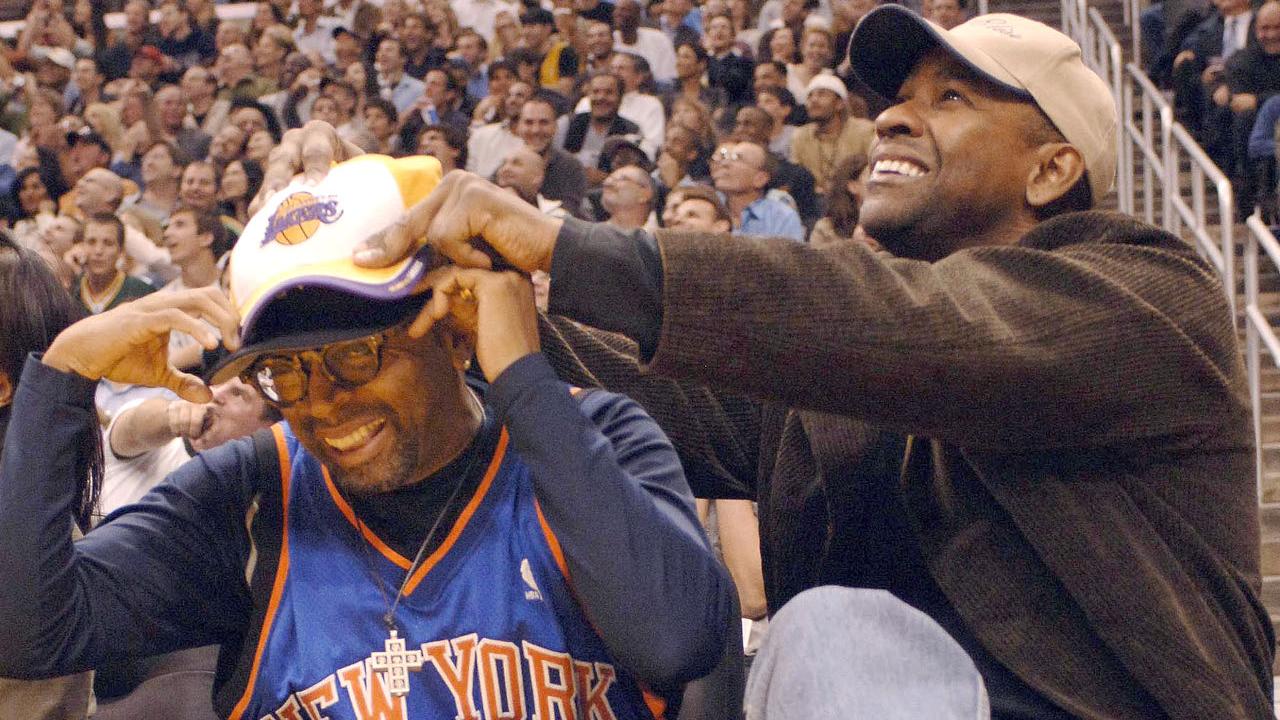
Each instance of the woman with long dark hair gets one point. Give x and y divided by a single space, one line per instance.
240 183
34 308
37 190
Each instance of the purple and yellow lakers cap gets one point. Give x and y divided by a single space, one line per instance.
291 275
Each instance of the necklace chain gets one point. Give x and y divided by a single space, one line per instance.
389 618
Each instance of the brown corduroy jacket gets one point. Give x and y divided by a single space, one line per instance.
1068 418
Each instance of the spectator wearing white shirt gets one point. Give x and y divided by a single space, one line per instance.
491 144
314 34
652 45
639 105
479 15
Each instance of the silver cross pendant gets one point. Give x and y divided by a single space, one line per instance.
394 664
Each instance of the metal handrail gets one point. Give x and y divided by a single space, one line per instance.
1258 330
1105 57
1142 106
1219 251
1138 129
1132 19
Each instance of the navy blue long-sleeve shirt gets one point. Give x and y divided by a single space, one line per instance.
169 571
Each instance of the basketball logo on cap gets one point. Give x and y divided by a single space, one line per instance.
299 217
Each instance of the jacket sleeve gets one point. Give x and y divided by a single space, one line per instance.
163 574
716 434
1094 330
612 490
1042 345
1262 139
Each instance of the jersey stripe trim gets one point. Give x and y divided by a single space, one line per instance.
498 454
282 574
656 705
552 542
344 507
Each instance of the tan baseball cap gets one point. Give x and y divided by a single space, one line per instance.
1020 54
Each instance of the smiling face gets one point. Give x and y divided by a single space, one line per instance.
599 39
537 125
605 96
391 432
951 164
782 44
1266 26
199 186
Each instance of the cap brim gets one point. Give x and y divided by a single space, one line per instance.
890 40
382 317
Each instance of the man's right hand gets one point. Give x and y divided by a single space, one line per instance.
462 207
130 343
310 150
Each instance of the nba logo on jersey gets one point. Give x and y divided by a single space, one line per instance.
526 574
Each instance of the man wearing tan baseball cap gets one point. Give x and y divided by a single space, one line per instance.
1012 465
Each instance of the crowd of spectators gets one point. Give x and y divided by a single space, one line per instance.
619 104
129 156
1221 62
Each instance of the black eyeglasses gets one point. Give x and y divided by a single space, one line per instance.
283 379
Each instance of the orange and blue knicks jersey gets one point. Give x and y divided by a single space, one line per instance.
488 626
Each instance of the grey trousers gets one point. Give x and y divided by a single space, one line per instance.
847 653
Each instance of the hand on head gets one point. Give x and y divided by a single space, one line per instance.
496 307
311 150
462 207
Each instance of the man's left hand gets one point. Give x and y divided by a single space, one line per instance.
497 306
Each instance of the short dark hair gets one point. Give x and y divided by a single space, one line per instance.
698 51
503 64
268 115
208 222
179 156
469 32
422 18
523 56
617 81
781 94
383 105
455 136
540 101
708 195
1080 195
106 218
537 16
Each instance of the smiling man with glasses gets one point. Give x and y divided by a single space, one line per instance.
414 539
741 172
